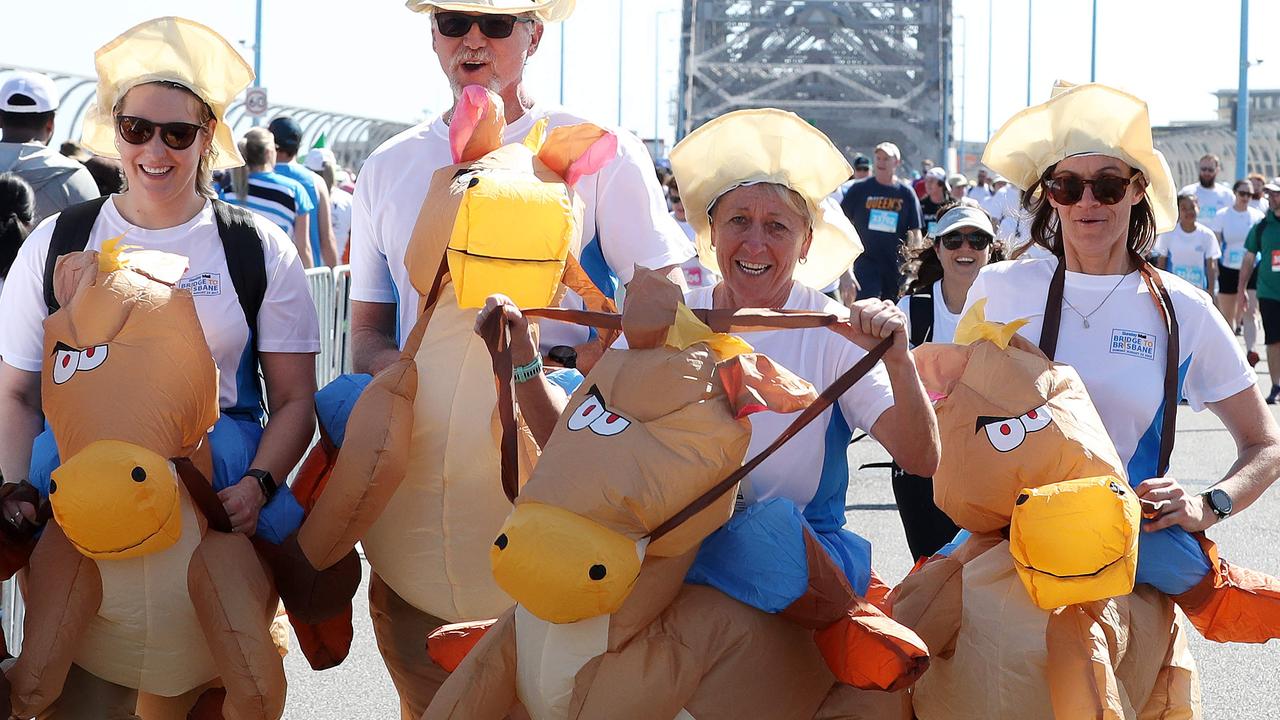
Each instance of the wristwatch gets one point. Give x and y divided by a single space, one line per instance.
265 481
1219 502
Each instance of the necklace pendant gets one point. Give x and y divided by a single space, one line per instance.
1086 323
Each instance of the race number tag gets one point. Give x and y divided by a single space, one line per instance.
1191 273
883 221
1235 257
1275 261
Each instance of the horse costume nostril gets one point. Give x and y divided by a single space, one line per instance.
53 487
597 572
501 542
138 474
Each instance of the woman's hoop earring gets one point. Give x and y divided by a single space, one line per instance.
804 259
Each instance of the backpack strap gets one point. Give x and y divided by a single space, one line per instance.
921 319
246 261
70 234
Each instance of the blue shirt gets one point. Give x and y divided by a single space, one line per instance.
882 215
308 180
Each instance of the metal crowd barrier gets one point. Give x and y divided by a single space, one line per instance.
329 291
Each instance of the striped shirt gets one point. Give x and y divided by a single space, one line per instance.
278 198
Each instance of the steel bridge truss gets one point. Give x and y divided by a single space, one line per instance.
862 71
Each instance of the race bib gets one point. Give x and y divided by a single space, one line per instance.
883 221
1275 261
1134 344
1206 213
1192 273
1235 257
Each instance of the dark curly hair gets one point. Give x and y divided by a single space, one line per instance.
1047 233
921 267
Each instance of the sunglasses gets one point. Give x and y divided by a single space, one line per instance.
977 240
138 131
1068 189
495 27
1248 193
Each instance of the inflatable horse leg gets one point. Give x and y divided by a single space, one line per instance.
484 685
845 702
70 592
1231 603
1174 682
235 603
1082 680
369 468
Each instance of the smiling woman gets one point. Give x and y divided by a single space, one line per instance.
760 215
163 89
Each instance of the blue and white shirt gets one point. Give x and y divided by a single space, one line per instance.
278 198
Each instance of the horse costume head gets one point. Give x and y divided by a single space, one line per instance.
1023 449
516 217
128 383
662 423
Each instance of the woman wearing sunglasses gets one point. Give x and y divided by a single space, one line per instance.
163 89
1140 338
939 275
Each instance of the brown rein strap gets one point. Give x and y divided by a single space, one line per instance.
824 401
202 494
494 332
721 321
1164 304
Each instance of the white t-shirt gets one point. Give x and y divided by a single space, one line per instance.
286 322
813 466
1260 205
626 216
945 322
1212 200
1234 227
340 217
981 193
1188 251
1121 356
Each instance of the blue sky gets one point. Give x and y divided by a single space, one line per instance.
373 57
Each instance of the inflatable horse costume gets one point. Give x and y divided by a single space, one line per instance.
412 473
603 534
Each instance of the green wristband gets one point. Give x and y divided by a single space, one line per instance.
527 372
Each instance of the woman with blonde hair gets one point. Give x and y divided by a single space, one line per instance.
163 90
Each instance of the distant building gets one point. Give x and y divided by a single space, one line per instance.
1184 143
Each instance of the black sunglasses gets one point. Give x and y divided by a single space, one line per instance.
138 131
496 27
977 240
1068 189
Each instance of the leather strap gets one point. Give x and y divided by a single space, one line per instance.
1164 305
824 401
745 320
202 494
494 332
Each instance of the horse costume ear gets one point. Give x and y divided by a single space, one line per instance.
754 383
575 151
941 366
477 125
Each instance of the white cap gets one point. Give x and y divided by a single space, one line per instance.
317 157
39 88
890 149
962 216
937 173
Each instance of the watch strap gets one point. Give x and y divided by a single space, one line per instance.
265 481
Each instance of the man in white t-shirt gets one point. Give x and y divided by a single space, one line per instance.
625 224
1190 250
1212 196
626 221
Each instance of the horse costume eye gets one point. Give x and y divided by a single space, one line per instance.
91 358
609 424
1037 419
589 411
1006 435
65 363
